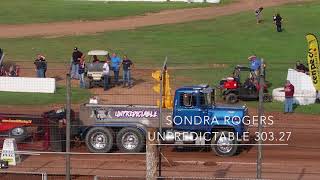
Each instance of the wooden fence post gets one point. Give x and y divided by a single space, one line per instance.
151 154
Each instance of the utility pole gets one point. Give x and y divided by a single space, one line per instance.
260 114
68 119
162 90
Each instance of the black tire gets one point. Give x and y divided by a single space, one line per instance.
231 98
135 137
220 150
87 83
99 140
18 133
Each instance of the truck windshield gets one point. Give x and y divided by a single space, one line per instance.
205 99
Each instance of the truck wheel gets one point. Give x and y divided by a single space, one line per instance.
231 98
99 140
19 133
130 140
222 145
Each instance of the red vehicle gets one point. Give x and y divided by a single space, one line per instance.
235 89
30 132
36 132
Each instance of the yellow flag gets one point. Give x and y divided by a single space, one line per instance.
313 60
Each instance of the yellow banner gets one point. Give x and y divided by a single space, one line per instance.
313 60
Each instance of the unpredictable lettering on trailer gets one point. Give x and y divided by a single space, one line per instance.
104 114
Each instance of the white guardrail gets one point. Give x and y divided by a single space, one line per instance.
27 84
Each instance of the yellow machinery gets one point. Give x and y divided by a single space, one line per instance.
162 78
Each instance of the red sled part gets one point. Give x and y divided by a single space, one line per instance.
230 84
8 124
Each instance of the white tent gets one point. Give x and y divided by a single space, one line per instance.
304 94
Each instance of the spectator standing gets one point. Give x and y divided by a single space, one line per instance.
82 67
277 19
289 92
106 70
126 65
317 96
1 56
258 14
12 72
115 66
255 64
108 58
301 67
76 57
40 66
45 66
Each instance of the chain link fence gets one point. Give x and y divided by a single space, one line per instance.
88 152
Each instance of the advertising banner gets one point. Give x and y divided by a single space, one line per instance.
313 60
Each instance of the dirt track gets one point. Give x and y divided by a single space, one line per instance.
296 161
164 17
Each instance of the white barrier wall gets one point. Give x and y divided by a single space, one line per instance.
304 91
301 81
199 1
27 84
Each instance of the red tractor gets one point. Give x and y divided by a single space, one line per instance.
235 89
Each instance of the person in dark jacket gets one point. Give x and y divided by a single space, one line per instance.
75 60
277 20
317 96
127 66
45 66
40 66
289 92
301 67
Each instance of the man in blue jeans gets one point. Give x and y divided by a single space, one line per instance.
106 75
82 67
126 65
288 102
115 66
40 66
75 60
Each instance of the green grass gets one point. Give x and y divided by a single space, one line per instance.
40 11
223 2
279 106
12 98
229 40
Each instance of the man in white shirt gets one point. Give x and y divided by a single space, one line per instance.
106 75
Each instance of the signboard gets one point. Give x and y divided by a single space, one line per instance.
106 113
313 60
8 152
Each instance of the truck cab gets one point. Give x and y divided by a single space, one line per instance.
199 120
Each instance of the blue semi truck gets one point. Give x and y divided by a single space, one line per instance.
195 119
